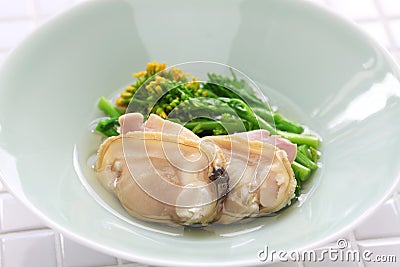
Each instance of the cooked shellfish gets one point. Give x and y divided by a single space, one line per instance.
160 172
261 178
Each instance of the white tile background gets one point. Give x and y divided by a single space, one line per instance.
26 241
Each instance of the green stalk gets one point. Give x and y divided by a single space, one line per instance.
202 125
281 123
108 127
301 172
300 139
224 127
265 125
264 113
284 124
305 150
314 154
108 107
304 160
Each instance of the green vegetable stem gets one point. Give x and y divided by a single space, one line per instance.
108 108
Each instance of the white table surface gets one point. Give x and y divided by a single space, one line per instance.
25 241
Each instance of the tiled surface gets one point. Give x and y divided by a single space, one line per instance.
390 7
11 33
34 249
18 9
377 30
365 9
15 216
25 241
377 227
394 27
72 255
46 7
389 248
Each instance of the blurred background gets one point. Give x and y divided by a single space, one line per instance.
24 238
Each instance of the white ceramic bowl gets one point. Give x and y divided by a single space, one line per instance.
318 68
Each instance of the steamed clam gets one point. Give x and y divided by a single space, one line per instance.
162 172
261 178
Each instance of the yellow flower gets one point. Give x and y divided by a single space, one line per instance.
120 102
159 80
154 67
160 112
176 74
139 74
129 89
126 95
158 89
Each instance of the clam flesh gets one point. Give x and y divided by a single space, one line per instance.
162 172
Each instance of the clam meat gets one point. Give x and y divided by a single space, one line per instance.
162 172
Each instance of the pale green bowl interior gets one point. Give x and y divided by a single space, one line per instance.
318 68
